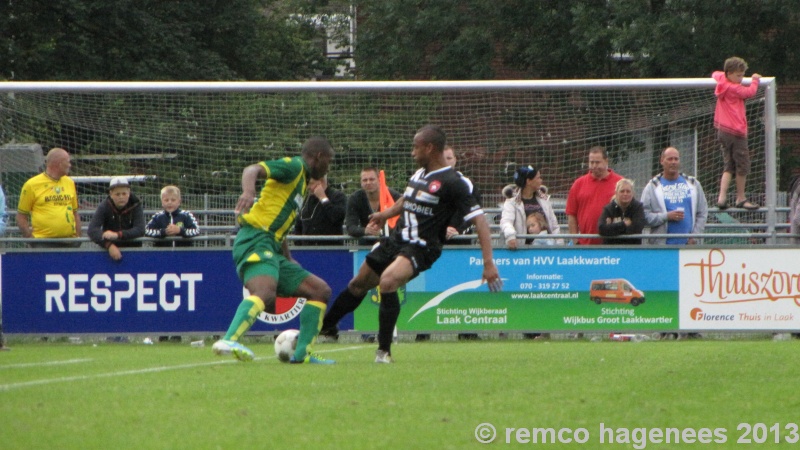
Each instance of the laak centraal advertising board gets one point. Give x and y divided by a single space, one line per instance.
544 289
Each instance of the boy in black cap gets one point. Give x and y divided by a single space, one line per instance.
118 220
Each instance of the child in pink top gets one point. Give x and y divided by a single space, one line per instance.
731 124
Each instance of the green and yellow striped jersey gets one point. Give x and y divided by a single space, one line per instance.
280 199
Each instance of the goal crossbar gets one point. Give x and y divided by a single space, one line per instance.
360 86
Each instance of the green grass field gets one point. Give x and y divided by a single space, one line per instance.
173 396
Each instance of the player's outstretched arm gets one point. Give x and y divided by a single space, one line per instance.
490 273
250 175
379 218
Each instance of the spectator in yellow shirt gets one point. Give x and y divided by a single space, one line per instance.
48 203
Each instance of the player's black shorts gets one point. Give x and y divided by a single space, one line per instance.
422 258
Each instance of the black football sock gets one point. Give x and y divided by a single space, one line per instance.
344 304
387 319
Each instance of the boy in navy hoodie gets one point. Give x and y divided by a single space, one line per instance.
172 221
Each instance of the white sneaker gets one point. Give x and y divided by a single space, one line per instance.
221 348
239 351
383 357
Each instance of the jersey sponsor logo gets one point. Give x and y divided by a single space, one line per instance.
61 199
418 209
424 197
434 186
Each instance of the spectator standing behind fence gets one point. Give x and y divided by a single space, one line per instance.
118 220
588 196
623 215
362 203
457 224
731 124
48 203
322 213
674 203
525 198
172 221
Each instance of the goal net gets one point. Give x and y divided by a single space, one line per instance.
200 136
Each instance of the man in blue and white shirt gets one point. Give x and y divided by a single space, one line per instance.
674 203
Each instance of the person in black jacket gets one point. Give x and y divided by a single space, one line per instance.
118 220
623 215
457 224
362 203
172 221
322 213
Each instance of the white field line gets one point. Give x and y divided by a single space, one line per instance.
46 363
9 386
344 349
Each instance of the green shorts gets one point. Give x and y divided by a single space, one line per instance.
256 253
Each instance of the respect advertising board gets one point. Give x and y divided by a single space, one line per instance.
544 289
146 292
735 289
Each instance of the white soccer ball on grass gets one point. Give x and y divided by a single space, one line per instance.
285 344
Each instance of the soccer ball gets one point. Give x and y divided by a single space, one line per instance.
285 344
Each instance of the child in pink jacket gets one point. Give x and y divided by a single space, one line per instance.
731 124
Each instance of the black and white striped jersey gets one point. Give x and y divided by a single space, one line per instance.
429 202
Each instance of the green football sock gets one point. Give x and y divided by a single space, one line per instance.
245 315
310 323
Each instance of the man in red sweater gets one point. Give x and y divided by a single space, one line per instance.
589 194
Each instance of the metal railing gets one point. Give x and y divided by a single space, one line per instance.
218 229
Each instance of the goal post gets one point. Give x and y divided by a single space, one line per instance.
204 133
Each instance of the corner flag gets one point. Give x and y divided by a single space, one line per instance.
386 200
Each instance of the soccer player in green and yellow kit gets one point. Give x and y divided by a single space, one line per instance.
261 254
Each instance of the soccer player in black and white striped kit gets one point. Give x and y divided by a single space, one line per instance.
434 193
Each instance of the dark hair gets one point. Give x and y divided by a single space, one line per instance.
432 134
523 174
371 169
317 144
599 149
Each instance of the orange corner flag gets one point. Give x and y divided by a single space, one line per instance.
386 200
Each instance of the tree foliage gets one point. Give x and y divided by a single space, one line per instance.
471 39
395 39
445 39
155 40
